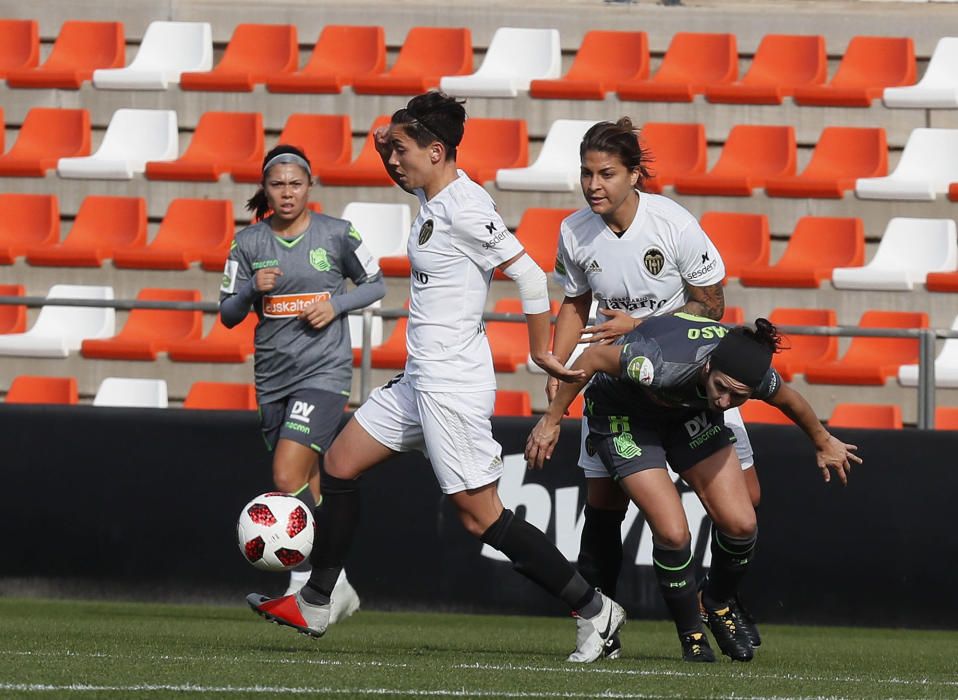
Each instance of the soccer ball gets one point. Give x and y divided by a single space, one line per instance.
275 532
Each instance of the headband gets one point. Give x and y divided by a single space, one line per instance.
287 158
742 358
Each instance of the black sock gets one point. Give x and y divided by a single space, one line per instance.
600 548
306 496
676 575
337 517
730 559
536 558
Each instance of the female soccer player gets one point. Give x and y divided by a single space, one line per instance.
659 393
442 403
291 267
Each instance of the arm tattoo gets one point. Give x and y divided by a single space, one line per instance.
705 301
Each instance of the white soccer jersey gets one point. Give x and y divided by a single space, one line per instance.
456 242
642 272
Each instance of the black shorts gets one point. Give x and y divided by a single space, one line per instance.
630 444
310 417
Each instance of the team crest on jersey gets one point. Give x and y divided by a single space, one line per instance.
425 233
641 370
319 259
654 261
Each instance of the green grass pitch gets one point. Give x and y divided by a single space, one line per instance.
132 650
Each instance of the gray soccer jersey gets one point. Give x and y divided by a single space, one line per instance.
290 354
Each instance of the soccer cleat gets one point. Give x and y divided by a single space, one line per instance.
593 633
695 648
745 621
613 647
344 599
292 611
731 638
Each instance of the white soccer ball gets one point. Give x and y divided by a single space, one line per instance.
275 532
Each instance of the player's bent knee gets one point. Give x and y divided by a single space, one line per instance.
673 537
287 483
741 527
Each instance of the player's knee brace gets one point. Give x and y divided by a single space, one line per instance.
600 548
676 576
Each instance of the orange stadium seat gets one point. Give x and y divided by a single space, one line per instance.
45 136
605 59
953 192
221 396
510 341
191 229
427 54
366 170
751 155
103 226
576 407
538 232
490 144
872 360
782 62
19 45
326 139
512 403
866 415
869 65
221 344
841 156
817 246
13 319
733 316
761 412
27 221
692 63
741 239
255 53
395 266
341 55
222 142
30 389
392 353
946 418
942 281
149 331
800 350
80 48
676 149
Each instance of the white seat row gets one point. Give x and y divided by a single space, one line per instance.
60 330
167 50
928 165
132 393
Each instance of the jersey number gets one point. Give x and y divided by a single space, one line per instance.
420 277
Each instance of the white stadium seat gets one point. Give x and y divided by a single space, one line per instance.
133 137
927 166
167 50
131 393
946 366
356 329
59 330
938 88
909 250
557 167
516 57
383 227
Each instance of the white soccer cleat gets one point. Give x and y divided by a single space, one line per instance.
297 579
593 633
344 599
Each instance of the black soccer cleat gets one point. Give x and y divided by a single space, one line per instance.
613 647
731 638
695 648
745 621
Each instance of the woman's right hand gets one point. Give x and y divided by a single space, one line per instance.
381 141
265 280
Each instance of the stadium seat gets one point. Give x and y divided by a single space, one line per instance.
751 155
122 392
605 59
868 66
842 155
48 390
167 50
942 282
953 191
221 344
13 318
356 333
79 49
516 56
871 360
733 316
392 353
102 226
925 169
509 341
946 366
946 418
60 330
222 142
909 250
27 221
133 137
557 167
576 407
538 232
46 136
341 55
149 331
677 150
512 403
367 170
938 88
760 412
799 350
817 246
383 227
692 63
255 53
489 145
395 266
427 54
866 415
19 45
743 240
221 396
190 230
782 62
326 139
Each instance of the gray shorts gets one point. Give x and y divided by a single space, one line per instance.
310 417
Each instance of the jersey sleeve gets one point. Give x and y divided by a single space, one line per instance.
770 385
237 271
357 261
567 273
700 263
640 362
480 233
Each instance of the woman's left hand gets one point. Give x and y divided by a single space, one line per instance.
542 441
319 314
550 364
839 456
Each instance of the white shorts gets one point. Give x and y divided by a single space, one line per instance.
453 430
594 469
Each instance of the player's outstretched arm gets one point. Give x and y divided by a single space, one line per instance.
572 318
830 451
